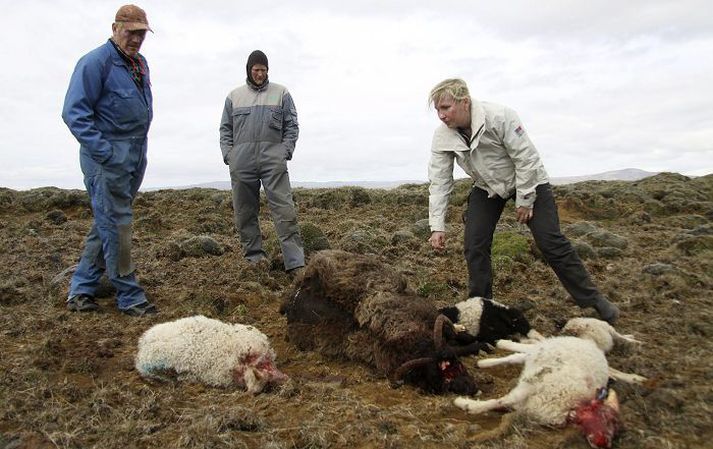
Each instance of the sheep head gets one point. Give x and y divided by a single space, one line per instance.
600 332
436 375
598 419
443 372
258 371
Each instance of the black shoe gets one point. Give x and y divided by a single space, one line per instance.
82 303
144 308
607 310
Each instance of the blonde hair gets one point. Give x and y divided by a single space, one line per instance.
454 88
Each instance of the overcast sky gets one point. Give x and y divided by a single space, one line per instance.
599 85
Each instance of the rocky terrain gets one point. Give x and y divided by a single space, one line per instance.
67 380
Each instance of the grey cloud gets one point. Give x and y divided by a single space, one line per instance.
592 82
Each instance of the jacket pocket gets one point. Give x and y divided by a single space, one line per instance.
240 118
127 107
241 111
276 116
119 154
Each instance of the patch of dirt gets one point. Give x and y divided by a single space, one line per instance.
67 380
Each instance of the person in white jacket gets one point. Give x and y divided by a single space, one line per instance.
490 143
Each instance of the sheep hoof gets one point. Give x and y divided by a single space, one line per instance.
470 405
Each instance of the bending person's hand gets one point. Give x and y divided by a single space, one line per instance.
438 240
523 214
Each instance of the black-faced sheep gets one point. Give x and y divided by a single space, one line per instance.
487 321
201 349
357 308
561 380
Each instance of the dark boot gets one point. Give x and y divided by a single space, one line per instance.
607 310
82 303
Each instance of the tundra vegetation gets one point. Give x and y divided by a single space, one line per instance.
68 380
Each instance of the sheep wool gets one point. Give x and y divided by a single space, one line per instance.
565 371
201 349
600 332
487 320
561 381
470 312
356 307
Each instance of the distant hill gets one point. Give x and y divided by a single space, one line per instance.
225 185
627 174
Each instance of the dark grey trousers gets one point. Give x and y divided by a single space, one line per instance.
480 219
246 205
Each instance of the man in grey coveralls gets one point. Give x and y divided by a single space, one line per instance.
258 132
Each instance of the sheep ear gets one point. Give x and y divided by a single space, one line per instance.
253 381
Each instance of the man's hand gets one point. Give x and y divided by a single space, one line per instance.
438 240
523 214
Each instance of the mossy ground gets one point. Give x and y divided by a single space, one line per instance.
67 380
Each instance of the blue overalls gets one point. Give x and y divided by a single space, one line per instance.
110 117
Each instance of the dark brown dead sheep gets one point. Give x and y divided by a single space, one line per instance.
355 307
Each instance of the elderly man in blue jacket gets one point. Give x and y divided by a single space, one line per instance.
108 109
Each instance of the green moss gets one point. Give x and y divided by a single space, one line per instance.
359 196
432 289
502 264
512 245
695 245
7 197
46 198
313 237
329 199
363 241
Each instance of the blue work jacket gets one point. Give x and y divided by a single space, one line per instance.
104 106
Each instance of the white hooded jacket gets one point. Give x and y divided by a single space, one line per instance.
500 159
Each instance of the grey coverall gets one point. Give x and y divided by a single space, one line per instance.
258 132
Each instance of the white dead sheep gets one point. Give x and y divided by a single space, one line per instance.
200 349
561 375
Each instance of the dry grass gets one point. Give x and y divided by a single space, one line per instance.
67 380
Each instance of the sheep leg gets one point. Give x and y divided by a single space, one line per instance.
512 359
533 337
627 338
509 401
625 377
512 346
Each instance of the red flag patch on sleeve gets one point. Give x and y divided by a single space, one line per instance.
519 130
